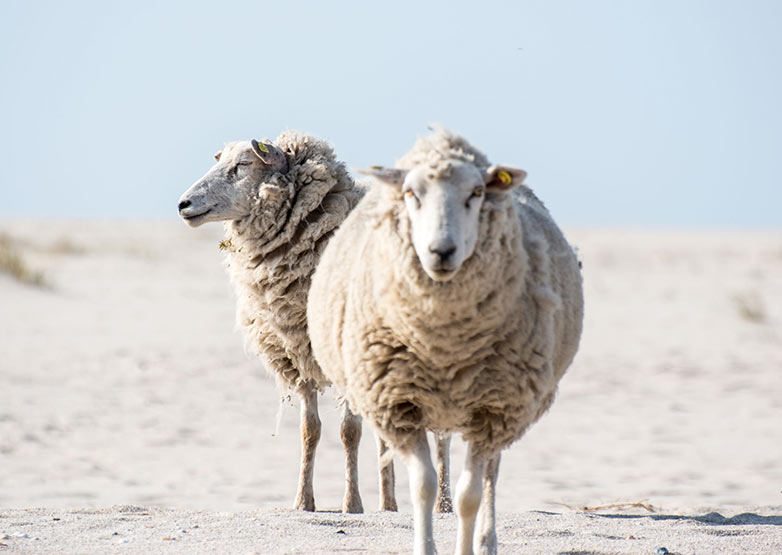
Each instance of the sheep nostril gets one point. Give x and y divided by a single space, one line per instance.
443 251
184 204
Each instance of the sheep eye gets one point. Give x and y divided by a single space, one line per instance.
409 194
235 169
476 193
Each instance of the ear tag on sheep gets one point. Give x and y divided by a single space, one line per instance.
263 148
504 177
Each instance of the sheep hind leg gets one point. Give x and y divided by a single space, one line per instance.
387 477
423 488
486 539
468 499
350 433
310 436
444 503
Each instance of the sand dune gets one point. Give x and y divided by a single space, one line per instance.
124 385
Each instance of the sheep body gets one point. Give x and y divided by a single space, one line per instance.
480 355
273 253
480 351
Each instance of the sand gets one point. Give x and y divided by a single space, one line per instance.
128 406
129 529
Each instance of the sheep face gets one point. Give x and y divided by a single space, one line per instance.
444 212
443 205
229 188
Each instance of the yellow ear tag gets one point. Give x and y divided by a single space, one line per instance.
504 177
263 148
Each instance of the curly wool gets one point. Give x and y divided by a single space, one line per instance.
480 354
435 150
273 253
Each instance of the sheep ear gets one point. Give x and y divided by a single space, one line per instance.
218 154
503 178
389 176
270 155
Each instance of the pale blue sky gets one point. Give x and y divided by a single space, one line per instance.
644 113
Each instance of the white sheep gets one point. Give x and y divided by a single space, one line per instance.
281 201
448 301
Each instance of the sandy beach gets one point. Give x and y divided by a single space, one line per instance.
132 420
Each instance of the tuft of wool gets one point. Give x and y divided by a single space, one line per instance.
273 253
434 151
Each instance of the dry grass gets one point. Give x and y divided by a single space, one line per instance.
65 246
14 264
612 507
750 307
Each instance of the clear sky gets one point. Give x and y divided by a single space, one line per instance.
636 112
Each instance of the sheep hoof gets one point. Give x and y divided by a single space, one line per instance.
486 544
304 504
388 505
352 505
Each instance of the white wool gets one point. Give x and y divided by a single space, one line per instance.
481 354
273 252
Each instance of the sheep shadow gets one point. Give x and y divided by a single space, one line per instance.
713 518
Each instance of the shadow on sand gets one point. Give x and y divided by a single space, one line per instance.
717 519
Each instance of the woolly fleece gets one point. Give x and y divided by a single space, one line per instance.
481 354
273 252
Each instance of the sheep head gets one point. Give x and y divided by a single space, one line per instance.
444 206
227 190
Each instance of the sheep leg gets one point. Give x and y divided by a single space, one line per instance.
387 478
350 433
423 488
444 503
486 540
468 499
310 436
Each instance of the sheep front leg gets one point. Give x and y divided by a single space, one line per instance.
444 503
486 539
350 433
387 478
423 488
310 436
468 499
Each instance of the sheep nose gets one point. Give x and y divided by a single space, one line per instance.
443 249
184 204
